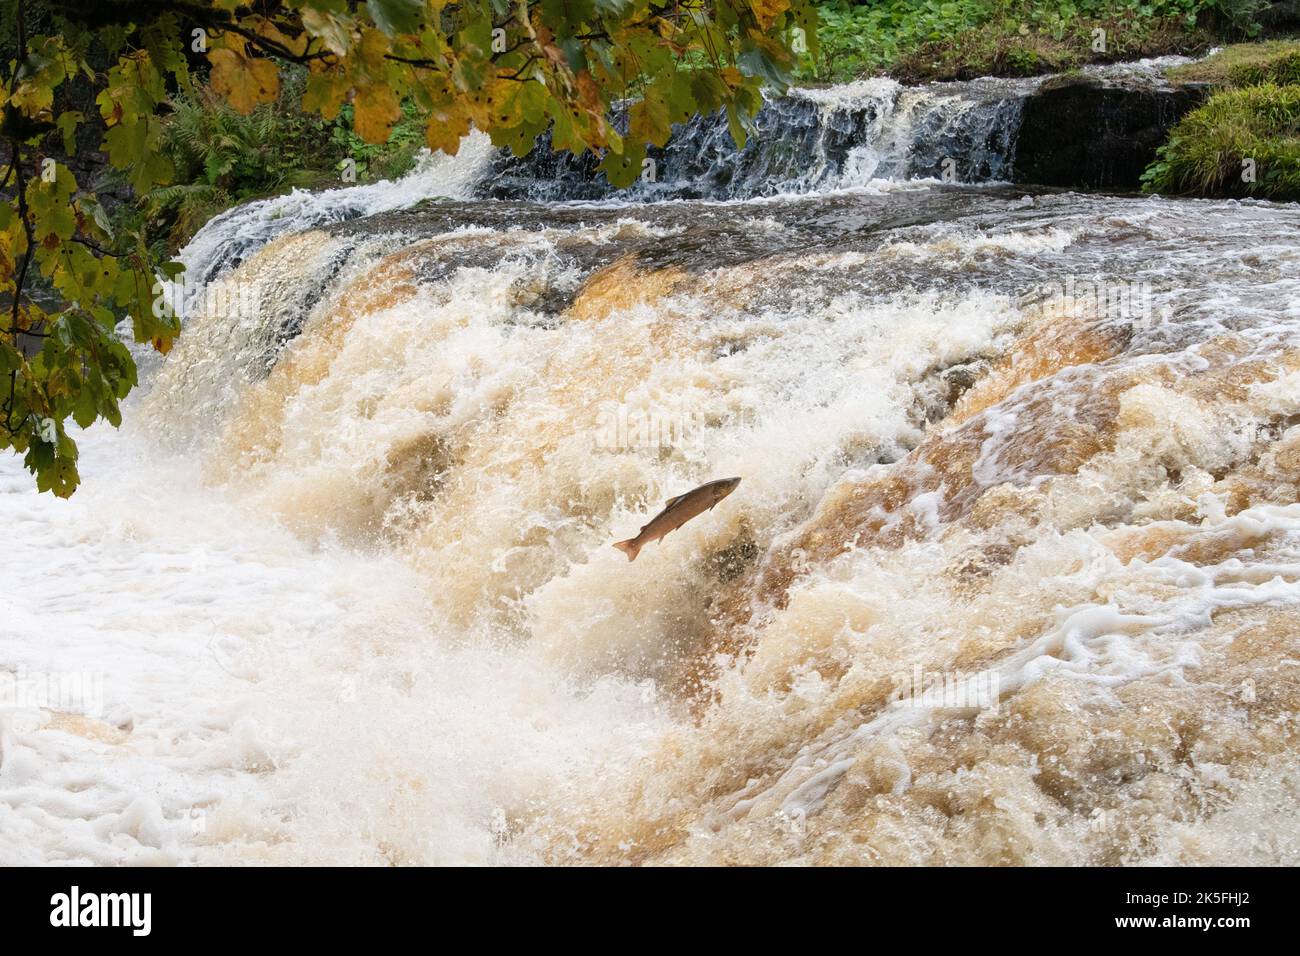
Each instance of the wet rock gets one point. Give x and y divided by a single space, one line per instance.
1281 17
1082 131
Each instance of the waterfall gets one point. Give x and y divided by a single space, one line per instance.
809 140
229 238
1013 575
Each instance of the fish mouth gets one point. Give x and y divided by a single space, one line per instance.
729 485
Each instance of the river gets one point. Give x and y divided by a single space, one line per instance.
1012 577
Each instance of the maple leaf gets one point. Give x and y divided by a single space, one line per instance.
376 109
766 12
246 82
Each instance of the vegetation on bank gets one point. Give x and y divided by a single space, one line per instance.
915 40
1245 139
223 157
1238 64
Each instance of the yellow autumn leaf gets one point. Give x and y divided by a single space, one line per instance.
375 110
32 98
297 45
588 92
494 104
767 11
447 125
246 82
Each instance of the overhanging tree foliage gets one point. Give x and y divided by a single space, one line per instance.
511 68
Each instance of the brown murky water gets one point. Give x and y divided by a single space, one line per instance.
1013 575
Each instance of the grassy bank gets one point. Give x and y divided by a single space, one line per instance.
1245 140
917 40
1243 64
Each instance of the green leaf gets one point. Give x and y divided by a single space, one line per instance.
396 16
756 61
92 207
648 120
737 127
622 169
67 125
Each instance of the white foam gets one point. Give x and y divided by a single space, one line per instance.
236 234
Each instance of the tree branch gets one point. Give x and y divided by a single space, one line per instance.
21 190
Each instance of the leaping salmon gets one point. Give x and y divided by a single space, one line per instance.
677 511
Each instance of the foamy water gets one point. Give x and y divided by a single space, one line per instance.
1012 577
222 652
226 239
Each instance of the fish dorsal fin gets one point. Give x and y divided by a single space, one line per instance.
672 501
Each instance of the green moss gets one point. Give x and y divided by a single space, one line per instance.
1212 146
917 40
1242 64
1282 69
1009 48
1255 118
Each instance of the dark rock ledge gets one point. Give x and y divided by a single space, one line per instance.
1088 131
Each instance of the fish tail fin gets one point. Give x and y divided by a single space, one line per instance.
629 547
